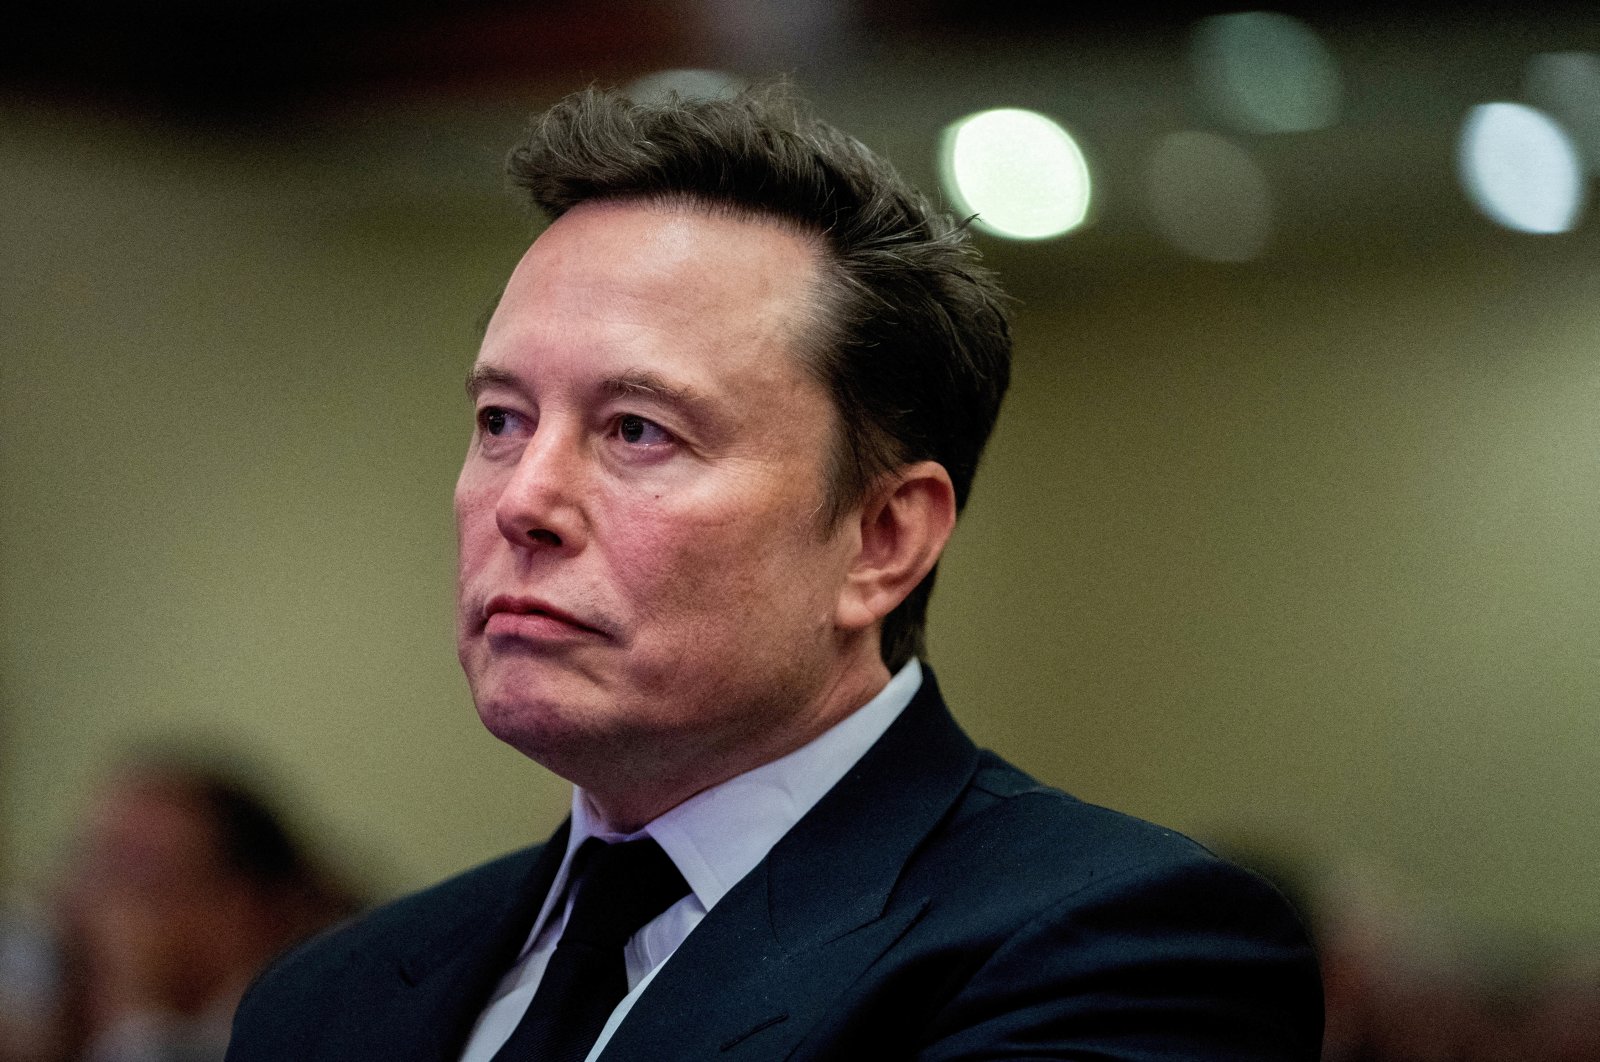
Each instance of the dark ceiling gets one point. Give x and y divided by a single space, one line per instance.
202 60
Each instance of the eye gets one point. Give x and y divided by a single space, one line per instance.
492 420
637 431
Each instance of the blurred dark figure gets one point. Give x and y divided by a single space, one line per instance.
183 886
1563 1022
1401 985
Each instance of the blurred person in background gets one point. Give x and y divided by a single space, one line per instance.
1563 1019
1403 983
183 884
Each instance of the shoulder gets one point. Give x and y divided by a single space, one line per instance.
1048 854
441 911
450 906
300 1001
1125 925
1017 826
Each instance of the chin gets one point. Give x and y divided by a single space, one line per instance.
547 730
541 744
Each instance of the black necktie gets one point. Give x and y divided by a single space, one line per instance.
622 886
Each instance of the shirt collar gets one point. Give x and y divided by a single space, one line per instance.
718 835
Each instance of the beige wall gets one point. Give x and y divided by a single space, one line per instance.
233 414
1294 550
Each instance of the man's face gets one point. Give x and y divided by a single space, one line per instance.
151 908
645 586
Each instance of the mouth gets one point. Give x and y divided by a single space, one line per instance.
530 617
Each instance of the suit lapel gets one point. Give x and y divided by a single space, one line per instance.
770 957
443 979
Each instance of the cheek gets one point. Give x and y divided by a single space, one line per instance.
716 578
662 564
475 526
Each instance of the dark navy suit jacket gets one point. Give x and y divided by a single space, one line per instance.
936 904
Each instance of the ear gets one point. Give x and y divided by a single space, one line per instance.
905 523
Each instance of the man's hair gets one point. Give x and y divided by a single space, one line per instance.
909 334
248 837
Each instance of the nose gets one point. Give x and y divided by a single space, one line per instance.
539 505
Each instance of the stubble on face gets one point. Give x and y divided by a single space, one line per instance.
695 550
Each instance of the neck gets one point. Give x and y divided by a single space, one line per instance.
628 796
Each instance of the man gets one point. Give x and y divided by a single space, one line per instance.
727 410
184 883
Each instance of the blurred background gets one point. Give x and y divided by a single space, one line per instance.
1287 537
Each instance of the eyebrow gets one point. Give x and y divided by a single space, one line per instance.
641 382
481 377
652 385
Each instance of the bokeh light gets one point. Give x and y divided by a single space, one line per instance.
1209 197
1567 85
1521 168
1022 174
1265 72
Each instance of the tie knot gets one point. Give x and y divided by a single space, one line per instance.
622 887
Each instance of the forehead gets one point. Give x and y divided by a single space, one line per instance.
681 262
134 817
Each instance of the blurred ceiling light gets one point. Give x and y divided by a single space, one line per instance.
1520 168
1567 85
687 84
1022 174
1264 72
1208 197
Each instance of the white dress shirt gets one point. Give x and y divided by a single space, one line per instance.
714 838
